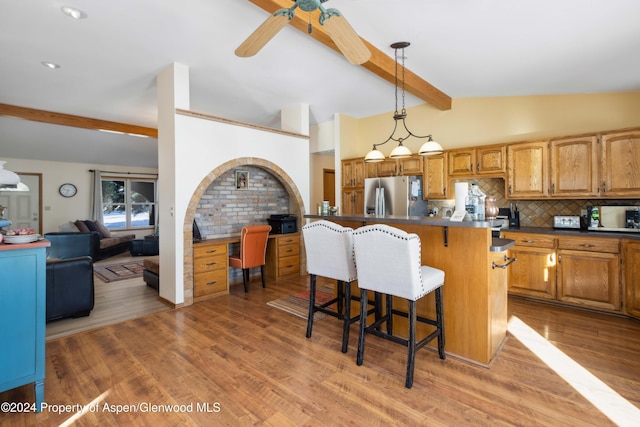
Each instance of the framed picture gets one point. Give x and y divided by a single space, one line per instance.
242 180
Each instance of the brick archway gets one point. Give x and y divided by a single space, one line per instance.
296 207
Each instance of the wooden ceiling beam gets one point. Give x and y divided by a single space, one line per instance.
380 64
73 121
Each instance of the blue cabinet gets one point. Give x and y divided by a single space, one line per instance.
22 316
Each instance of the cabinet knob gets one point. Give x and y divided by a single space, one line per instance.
477 167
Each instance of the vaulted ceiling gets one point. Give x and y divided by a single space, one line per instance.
460 48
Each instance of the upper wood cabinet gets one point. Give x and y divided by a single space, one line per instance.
353 173
620 164
480 161
434 183
528 170
574 167
387 167
408 166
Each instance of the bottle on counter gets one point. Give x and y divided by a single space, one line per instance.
474 203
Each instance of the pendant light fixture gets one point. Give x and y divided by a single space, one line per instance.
401 152
8 178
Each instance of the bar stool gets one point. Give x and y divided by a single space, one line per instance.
389 262
329 249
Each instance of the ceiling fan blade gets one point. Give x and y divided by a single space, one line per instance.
262 35
347 40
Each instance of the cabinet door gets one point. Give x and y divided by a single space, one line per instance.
620 164
491 160
353 201
358 172
632 278
347 174
590 279
461 162
528 170
434 182
574 167
387 168
411 166
534 274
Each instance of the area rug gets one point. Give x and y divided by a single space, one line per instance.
114 272
298 304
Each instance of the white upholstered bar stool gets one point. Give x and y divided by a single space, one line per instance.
389 262
329 249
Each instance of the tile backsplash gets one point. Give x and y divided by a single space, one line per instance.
533 213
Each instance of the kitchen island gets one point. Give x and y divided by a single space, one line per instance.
475 286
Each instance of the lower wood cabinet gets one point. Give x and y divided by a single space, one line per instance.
283 256
631 256
579 271
210 270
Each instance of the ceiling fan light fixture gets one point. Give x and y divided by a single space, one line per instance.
430 148
401 152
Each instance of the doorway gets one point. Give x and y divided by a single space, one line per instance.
24 203
329 186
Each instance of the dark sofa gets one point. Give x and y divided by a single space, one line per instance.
69 275
107 244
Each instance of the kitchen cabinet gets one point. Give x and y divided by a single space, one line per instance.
353 173
480 161
352 201
574 167
534 274
283 256
22 315
435 179
528 170
210 270
631 256
387 167
588 272
620 163
409 166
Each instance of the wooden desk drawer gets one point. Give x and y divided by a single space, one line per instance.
210 282
210 263
288 240
204 250
534 240
288 265
590 244
289 250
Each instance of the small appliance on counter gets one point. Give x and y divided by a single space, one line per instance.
624 219
283 223
571 222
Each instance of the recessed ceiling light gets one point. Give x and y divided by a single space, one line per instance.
74 13
51 65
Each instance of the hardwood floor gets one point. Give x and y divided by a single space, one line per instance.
114 302
250 364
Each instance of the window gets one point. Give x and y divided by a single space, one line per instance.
128 203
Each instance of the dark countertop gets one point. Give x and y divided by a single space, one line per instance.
400 219
501 245
579 233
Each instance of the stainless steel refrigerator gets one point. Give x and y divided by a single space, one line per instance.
395 195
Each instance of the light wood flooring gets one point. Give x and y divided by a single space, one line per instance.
114 302
235 361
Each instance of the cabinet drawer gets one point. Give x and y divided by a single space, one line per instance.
288 265
209 250
210 283
611 246
289 250
210 263
289 240
533 240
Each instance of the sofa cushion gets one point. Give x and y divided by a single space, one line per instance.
82 226
91 225
104 231
152 264
115 240
69 227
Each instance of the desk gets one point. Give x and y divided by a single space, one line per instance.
211 264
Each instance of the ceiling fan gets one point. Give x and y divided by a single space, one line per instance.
342 34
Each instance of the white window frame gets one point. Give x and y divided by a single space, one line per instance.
129 205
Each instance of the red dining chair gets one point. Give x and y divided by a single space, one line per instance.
253 248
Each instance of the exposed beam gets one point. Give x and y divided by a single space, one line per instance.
380 64
73 121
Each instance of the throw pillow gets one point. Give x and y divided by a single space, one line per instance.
104 231
82 226
69 227
91 225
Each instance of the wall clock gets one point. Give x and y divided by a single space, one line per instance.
67 190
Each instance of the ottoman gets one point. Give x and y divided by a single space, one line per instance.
151 272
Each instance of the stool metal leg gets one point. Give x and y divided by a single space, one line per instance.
347 316
312 303
363 325
411 344
440 323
